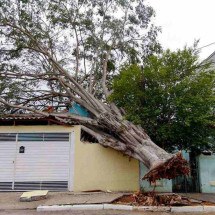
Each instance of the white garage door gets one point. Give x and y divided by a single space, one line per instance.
38 161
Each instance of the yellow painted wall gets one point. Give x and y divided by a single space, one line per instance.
102 168
38 128
95 167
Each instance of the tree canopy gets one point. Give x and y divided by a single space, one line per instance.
172 97
90 39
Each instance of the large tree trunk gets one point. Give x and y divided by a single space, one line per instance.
132 140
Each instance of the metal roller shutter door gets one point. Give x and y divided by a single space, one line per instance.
37 162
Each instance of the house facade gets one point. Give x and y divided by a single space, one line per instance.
53 157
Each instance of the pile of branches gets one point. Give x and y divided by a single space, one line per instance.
154 199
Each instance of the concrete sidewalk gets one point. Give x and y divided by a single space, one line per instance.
10 200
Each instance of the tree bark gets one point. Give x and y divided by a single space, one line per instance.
133 141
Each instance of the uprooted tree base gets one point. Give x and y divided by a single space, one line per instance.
169 169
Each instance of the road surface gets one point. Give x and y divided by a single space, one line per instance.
100 212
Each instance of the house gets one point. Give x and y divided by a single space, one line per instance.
38 152
210 59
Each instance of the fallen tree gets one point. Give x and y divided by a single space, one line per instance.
34 43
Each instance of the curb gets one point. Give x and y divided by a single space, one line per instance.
182 209
188 209
70 207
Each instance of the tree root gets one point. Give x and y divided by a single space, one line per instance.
169 169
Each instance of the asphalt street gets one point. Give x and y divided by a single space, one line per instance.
100 212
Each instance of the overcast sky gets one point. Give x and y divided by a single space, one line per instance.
183 21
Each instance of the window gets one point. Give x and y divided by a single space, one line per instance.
56 136
23 137
30 137
7 137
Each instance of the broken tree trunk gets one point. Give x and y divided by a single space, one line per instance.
133 141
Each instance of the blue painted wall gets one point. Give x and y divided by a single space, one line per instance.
185 155
78 110
164 185
206 165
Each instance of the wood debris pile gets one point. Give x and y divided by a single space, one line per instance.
154 199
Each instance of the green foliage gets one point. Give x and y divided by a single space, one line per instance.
172 97
79 34
10 91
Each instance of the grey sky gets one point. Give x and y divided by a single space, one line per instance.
183 21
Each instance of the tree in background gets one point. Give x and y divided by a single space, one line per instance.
10 90
171 97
